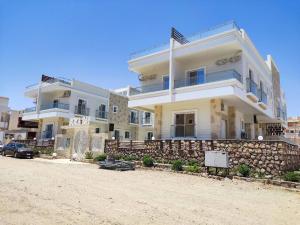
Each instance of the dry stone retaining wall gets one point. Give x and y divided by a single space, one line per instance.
268 157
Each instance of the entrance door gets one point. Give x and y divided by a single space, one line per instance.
48 131
185 125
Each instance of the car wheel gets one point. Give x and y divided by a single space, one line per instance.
16 155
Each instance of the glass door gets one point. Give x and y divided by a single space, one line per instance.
196 77
165 82
81 106
185 125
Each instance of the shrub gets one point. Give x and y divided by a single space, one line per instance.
88 155
193 169
193 162
244 170
177 165
292 176
148 161
100 157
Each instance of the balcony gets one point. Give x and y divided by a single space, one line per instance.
209 77
30 110
183 131
230 25
55 106
263 99
147 121
83 111
133 119
101 115
252 90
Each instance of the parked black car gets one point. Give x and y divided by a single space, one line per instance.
17 150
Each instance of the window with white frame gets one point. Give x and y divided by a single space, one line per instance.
115 108
147 118
127 135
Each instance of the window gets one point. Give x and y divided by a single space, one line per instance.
149 135
97 130
166 82
115 108
127 134
147 118
250 74
117 134
81 107
133 117
196 77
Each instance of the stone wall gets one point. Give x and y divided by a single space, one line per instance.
268 157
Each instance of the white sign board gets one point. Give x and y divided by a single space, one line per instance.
217 159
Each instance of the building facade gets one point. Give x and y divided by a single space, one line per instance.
293 130
81 116
213 85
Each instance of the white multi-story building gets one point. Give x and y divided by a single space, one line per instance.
58 100
212 85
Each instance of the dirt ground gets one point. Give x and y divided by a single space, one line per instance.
42 192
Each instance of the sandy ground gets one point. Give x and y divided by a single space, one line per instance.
38 192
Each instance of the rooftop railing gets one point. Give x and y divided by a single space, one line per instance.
227 26
51 81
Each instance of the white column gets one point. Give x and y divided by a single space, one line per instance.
171 68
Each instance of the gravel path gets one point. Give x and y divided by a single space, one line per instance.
38 192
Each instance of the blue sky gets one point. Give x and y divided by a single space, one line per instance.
92 40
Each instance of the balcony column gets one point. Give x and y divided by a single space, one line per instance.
171 68
157 121
215 106
231 122
38 100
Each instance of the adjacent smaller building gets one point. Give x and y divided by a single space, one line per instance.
293 129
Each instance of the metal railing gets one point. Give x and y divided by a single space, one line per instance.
101 114
147 120
227 26
251 87
51 81
31 109
262 96
209 78
82 111
133 119
55 106
183 130
149 88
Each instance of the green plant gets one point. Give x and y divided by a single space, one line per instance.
88 155
193 162
292 176
100 157
148 161
193 169
244 170
129 158
177 165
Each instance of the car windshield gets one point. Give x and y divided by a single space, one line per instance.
21 145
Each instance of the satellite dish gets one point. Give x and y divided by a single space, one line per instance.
260 138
